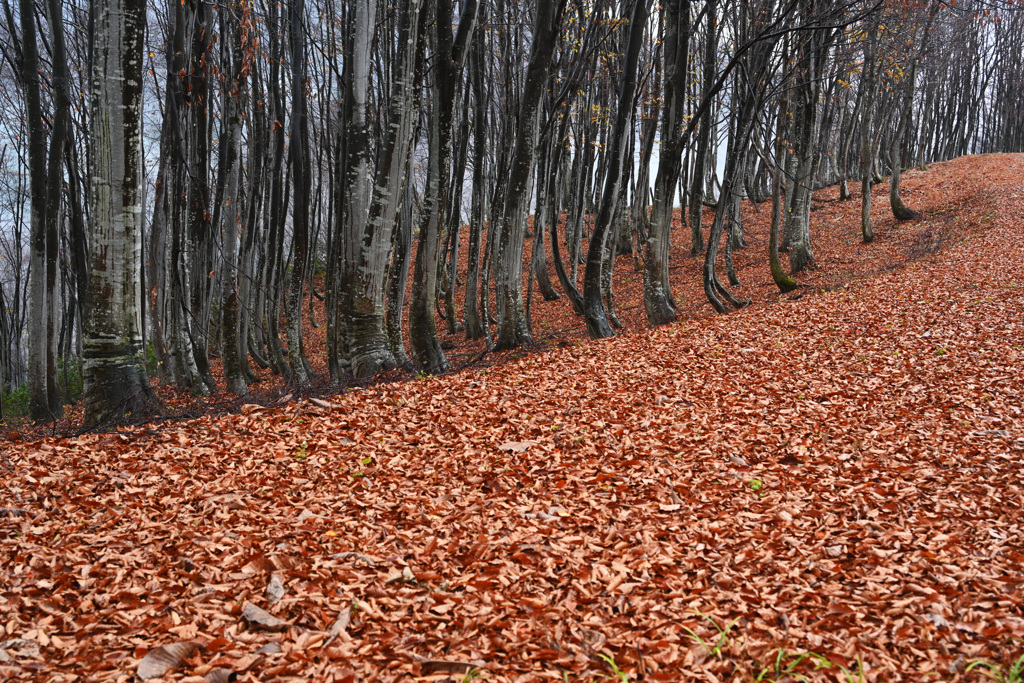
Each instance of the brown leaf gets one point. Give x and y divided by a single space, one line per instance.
430 667
221 675
275 590
340 626
260 618
517 446
160 660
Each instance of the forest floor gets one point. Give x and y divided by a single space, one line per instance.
826 486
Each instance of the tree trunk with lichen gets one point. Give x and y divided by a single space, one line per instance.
114 374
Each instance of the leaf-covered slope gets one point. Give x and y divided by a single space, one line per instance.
838 474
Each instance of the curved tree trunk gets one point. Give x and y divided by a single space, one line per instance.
657 288
598 325
866 158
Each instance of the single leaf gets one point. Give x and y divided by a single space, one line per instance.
340 627
260 618
270 648
430 667
221 675
517 446
275 590
162 659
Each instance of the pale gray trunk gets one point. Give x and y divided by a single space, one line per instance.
232 216
114 374
370 350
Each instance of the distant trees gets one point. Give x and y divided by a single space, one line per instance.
263 157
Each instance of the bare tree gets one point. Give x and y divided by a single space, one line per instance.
116 383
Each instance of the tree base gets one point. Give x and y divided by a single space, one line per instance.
117 389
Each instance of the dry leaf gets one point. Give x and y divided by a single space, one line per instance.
275 590
260 618
163 659
221 675
517 446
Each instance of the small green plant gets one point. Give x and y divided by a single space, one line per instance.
783 667
720 644
302 453
618 673
152 362
1013 674
755 484
69 376
823 662
473 674
422 375
14 403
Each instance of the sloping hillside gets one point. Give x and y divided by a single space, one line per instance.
838 474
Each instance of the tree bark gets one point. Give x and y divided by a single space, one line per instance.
658 301
866 158
369 347
114 374
598 325
513 330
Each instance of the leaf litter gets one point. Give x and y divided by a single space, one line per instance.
711 500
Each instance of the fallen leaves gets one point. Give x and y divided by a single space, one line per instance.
813 474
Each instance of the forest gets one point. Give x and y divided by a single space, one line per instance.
563 340
270 158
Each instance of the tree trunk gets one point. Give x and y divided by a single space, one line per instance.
232 214
658 300
703 155
298 148
114 374
900 210
448 60
594 310
471 306
513 331
866 157
44 208
370 350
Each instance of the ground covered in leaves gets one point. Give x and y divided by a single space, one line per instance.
836 474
